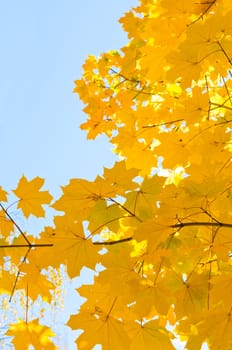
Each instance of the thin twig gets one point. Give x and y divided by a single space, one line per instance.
178 226
39 245
114 242
16 225
162 124
18 274
201 223
124 208
203 12
225 53
27 305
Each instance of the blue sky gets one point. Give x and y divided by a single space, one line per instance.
43 46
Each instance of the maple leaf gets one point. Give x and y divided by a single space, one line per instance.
31 198
121 177
33 281
32 333
100 328
7 281
18 254
6 225
122 266
148 335
69 246
193 294
81 196
3 194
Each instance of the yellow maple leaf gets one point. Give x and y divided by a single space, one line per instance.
100 328
6 225
149 335
33 281
121 177
3 194
31 198
7 280
70 246
32 333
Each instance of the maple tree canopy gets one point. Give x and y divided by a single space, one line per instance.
159 222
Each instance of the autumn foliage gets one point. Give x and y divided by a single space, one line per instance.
159 222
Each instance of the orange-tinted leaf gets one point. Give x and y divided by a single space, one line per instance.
32 333
31 198
3 194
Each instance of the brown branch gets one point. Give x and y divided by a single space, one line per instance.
162 124
142 92
224 53
26 245
139 92
178 226
124 208
218 105
18 273
207 128
16 225
114 242
201 223
210 4
227 90
105 224
27 305
132 80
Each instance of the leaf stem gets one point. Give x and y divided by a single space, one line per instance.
127 210
114 301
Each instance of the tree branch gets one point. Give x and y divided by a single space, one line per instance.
16 225
162 124
201 223
26 245
178 226
114 242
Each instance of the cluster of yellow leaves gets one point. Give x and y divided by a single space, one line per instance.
159 221
167 95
